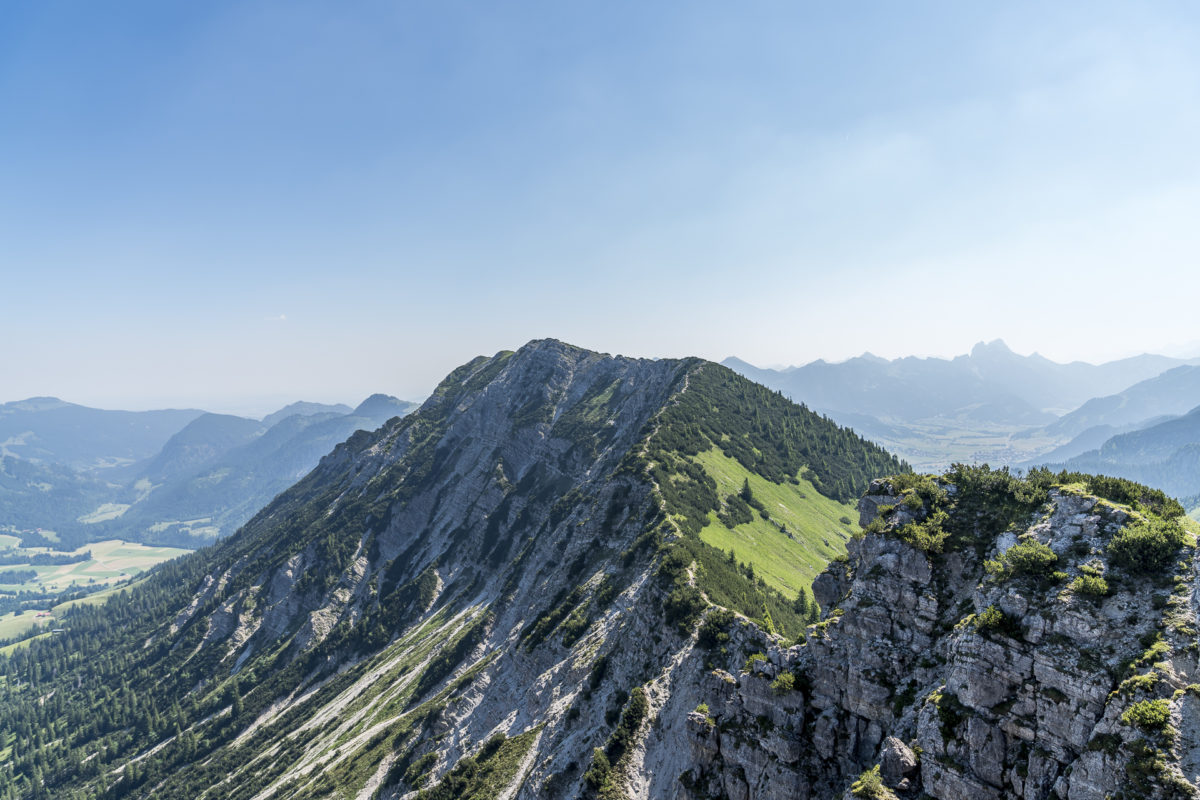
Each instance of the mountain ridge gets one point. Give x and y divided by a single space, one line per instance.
421 575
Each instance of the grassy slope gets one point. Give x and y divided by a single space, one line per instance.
786 563
14 625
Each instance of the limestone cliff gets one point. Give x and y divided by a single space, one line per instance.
1031 658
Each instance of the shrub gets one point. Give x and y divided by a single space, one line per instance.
1026 557
574 627
684 606
1146 546
870 786
597 774
951 713
749 665
786 682
1090 586
1151 716
992 619
929 535
713 632
1120 490
924 487
1138 683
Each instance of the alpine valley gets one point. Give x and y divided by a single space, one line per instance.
575 575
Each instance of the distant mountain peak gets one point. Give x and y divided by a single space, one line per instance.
736 364
36 404
994 347
306 409
383 406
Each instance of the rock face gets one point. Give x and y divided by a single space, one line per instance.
962 683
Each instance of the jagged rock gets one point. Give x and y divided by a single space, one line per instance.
1024 711
829 587
896 761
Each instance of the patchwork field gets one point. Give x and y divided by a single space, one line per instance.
112 561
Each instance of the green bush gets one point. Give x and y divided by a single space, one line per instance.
1028 557
1090 586
1151 716
749 665
683 607
922 486
574 627
869 786
714 631
929 535
992 619
786 682
1146 546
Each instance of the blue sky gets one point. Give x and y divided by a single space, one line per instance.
233 205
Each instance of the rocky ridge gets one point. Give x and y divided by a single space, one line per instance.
956 674
497 595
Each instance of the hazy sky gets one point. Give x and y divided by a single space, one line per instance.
234 205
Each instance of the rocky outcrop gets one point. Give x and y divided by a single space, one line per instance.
951 680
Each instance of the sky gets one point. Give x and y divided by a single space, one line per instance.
233 205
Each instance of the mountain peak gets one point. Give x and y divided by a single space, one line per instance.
305 409
736 364
543 506
36 404
383 406
993 348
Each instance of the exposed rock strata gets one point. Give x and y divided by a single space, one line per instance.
899 675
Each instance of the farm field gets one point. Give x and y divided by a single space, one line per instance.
112 561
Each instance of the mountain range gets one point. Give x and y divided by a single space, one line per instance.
49 430
1165 454
991 383
550 581
991 405
179 478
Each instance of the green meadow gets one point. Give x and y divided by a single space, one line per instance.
804 533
